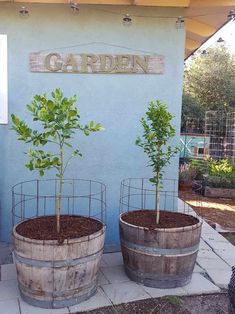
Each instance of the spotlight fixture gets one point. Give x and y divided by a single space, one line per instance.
24 11
179 24
74 7
204 52
127 20
231 15
220 41
193 56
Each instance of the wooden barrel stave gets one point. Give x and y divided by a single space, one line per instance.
52 275
163 258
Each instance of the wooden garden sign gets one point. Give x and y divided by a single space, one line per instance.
96 64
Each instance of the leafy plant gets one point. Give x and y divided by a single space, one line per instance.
187 173
157 132
201 165
218 173
174 300
58 120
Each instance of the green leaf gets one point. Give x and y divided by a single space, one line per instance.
41 172
55 122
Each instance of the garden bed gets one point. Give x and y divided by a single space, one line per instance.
220 192
216 210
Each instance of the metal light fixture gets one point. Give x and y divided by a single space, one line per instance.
231 15
204 52
220 41
179 24
127 20
24 11
74 7
193 56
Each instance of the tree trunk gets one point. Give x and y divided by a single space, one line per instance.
58 198
157 199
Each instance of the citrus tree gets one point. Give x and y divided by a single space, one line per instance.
57 120
157 131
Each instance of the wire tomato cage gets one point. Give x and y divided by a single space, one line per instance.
139 193
35 198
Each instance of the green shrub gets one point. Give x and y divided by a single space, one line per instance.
218 173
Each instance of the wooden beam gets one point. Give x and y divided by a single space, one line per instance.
104 2
211 3
199 28
192 44
165 3
157 3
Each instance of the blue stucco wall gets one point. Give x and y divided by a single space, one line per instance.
117 101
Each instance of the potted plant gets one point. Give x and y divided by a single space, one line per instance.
159 248
186 176
57 257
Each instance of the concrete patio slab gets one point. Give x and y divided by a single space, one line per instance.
8 272
157 293
113 259
9 290
212 263
198 269
207 254
199 285
29 309
100 299
10 307
230 261
5 253
225 253
220 278
102 280
125 292
115 274
204 246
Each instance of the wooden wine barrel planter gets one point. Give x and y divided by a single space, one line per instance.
52 275
160 258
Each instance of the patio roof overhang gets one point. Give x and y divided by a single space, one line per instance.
202 17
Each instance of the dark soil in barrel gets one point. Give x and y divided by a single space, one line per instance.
44 228
147 219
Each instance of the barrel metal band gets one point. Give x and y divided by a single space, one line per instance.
58 303
59 294
158 280
54 264
159 251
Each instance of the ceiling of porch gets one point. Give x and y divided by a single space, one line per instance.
202 17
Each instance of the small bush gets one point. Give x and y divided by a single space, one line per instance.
218 173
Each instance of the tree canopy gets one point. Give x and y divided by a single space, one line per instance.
209 83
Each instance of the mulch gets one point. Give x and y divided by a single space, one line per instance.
44 228
212 209
147 219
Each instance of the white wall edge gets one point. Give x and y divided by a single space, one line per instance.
3 80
